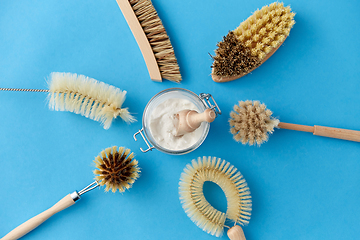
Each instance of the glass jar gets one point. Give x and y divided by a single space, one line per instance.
201 101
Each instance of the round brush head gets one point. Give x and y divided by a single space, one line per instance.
251 122
116 169
230 181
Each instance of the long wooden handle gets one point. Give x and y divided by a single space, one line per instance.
339 133
141 39
236 233
34 222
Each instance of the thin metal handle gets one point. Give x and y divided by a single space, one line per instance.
23 90
205 97
145 140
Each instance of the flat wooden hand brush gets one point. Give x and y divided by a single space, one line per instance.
252 43
83 95
200 211
116 169
251 122
152 39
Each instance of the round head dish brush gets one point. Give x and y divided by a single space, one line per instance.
116 169
251 123
199 209
83 95
252 43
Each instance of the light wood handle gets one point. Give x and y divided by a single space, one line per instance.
236 233
194 119
34 222
296 127
339 133
141 39
189 120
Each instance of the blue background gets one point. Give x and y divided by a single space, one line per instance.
303 186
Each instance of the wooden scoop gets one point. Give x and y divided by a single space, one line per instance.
189 120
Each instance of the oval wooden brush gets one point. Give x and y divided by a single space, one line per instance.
199 209
152 39
251 123
83 95
252 43
116 169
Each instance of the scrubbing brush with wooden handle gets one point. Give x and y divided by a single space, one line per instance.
83 95
251 122
152 39
252 43
116 169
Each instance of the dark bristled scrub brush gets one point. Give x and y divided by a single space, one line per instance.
116 169
251 123
252 43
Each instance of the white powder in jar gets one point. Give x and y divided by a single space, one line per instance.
163 121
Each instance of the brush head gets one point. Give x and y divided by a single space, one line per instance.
116 169
158 39
232 58
230 181
86 96
251 122
252 43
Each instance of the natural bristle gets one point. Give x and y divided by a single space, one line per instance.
88 97
233 58
260 35
158 39
230 181
251 122
266 28
116 169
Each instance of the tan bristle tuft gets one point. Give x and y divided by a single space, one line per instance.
260 35
116 169
274 20
231 182
158 39
251 122
86 96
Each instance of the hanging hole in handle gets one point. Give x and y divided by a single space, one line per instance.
147 143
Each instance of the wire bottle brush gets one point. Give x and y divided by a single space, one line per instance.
152 39
116 169
199 209
251 123
85 96
252 43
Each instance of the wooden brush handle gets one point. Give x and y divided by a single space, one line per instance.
236 233
339 133
34 222
141 39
